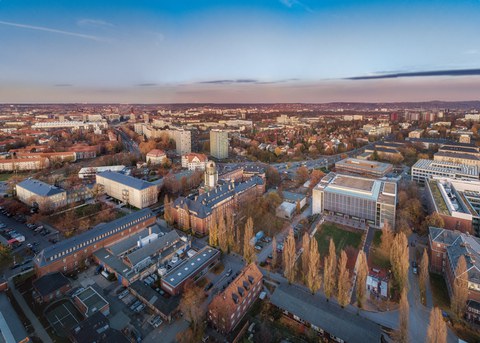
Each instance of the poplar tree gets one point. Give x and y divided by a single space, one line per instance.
314 280
222 234
460 288
399 260
329 270
289 257
305 256
362 274
437 329
213 232
402 333
248 249
423 277
343 286
274 253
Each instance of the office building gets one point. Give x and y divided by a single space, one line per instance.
457 202
357 198
39 194
128 189
423 170
71 253
219 144
229 307
363 167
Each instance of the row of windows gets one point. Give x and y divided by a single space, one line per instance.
97 238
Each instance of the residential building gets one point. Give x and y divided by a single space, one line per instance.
201 208
39 194
182 137
71 253
23 164
191 268
128 189
193 161
415 133
363 167
229 307
458 158
423 170
445 249
90 172
457 202
219 144
464 139
357 198
156 157
377 130
70 124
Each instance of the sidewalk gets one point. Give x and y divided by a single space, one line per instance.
39 329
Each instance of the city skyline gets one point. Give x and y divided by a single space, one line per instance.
239 51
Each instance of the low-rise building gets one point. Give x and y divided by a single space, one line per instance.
50 287
229 307
90 172
191 268
39 194
90 302
286 210
12 328
156 157
423 170
96 328
458 158
23 164
357 198
128 189
363 168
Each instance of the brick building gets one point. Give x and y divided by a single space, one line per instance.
71 253
228 308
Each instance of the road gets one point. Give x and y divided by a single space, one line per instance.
130 145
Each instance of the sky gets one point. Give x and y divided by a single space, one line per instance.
170 51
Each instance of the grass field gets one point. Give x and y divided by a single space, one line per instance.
439 291
342 238
7 176
376 258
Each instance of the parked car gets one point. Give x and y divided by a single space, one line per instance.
229 272
208 286
123 294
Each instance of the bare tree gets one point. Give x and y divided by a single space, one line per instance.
402 333
190 305
167 214
329 270
423 279
362 274
248 249
230 229
314 279
437 329
274 253
460 288
343 285
305 256
289 257
399 260
387 239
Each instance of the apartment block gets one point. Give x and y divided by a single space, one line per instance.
40 194
219 144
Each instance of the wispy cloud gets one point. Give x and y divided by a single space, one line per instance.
226 82
147 85
94 23
51 30
453 72
296 3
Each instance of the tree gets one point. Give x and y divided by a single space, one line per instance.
289 257
313 277
402 333
423 279
460 288
272 176
399 260
434 220
190 305
315 177
302 175
222 234
5 253
387 239
248 249
213 232
230 229
167 214
274 253
437 329
186 221
329 268
305 256
343 285
362 274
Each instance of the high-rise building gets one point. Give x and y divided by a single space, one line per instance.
183 141
219 144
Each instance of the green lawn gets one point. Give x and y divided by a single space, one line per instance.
7 176
341 238
377 238
377 259
439 291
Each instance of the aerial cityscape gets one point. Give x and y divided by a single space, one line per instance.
285 171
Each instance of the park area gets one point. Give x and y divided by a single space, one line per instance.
344 238
376 257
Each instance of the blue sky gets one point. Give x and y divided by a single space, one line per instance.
174 45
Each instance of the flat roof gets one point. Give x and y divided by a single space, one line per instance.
364 165
446 167
345 181
11 327
126 180
163 304
188 267
92 300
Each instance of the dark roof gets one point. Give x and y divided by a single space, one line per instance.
11 327
49 283
203 205
126 180
165 305
326 315
96 328
40 188
75 243
464 156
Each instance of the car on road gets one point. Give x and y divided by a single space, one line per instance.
229 272
258 247
414 267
